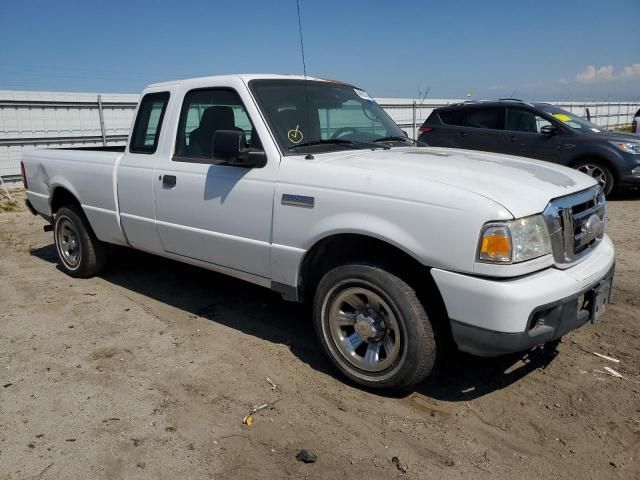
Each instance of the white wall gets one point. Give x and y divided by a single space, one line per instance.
54 119
41 119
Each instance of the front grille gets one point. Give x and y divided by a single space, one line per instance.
576 225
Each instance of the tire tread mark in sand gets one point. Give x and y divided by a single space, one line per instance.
485 421
423 404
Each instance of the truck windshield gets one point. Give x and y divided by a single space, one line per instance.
333 116
571 120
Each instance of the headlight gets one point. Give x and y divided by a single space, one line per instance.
628 147
514 241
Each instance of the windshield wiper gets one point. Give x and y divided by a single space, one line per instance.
339 141
395 138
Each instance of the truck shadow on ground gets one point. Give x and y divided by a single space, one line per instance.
261 313
462 377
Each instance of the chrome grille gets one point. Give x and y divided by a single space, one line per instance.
576 224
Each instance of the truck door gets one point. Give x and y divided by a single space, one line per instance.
523 137
136 170
215 213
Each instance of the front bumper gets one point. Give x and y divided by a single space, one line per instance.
546 323
630 179
491 317
630 173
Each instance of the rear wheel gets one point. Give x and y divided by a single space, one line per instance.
373 328
80 252
599 172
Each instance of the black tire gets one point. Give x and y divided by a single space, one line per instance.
73 234
599 171
415 355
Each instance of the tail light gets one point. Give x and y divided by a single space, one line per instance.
24 176
424 129
634 126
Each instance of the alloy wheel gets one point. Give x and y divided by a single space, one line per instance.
364 329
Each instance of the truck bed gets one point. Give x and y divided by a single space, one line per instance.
87 173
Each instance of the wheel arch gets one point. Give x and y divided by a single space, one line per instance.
61 196
598 158
343 248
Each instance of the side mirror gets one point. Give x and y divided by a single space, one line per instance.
548 130
229 148
405 133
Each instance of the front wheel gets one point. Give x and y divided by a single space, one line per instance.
373 328
599 172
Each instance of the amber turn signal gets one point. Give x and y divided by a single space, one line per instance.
495 244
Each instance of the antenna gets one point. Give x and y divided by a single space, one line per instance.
304 71
304 65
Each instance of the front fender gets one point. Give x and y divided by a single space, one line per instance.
435 234
367 225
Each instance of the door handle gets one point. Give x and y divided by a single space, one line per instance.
169 180
513 139
463 134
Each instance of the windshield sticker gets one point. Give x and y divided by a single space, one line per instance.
562 117
362 94
295 135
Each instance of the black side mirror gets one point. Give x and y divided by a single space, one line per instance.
548 130
229 148
405 133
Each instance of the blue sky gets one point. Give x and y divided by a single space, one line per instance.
542 49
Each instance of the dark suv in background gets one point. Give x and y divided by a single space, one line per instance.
537 130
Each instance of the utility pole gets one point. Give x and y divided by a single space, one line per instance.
415 107
423 93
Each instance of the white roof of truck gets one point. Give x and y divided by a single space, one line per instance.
246 77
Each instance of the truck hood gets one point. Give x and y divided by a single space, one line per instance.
522 186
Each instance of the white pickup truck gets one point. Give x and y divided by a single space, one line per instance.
306 186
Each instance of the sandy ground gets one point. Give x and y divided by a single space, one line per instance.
148 370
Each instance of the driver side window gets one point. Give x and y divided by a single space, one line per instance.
203 113
521 120
351 118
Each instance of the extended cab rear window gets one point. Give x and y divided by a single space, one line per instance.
146 131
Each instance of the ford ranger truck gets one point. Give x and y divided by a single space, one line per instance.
307 187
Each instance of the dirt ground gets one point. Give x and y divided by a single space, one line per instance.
148 370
